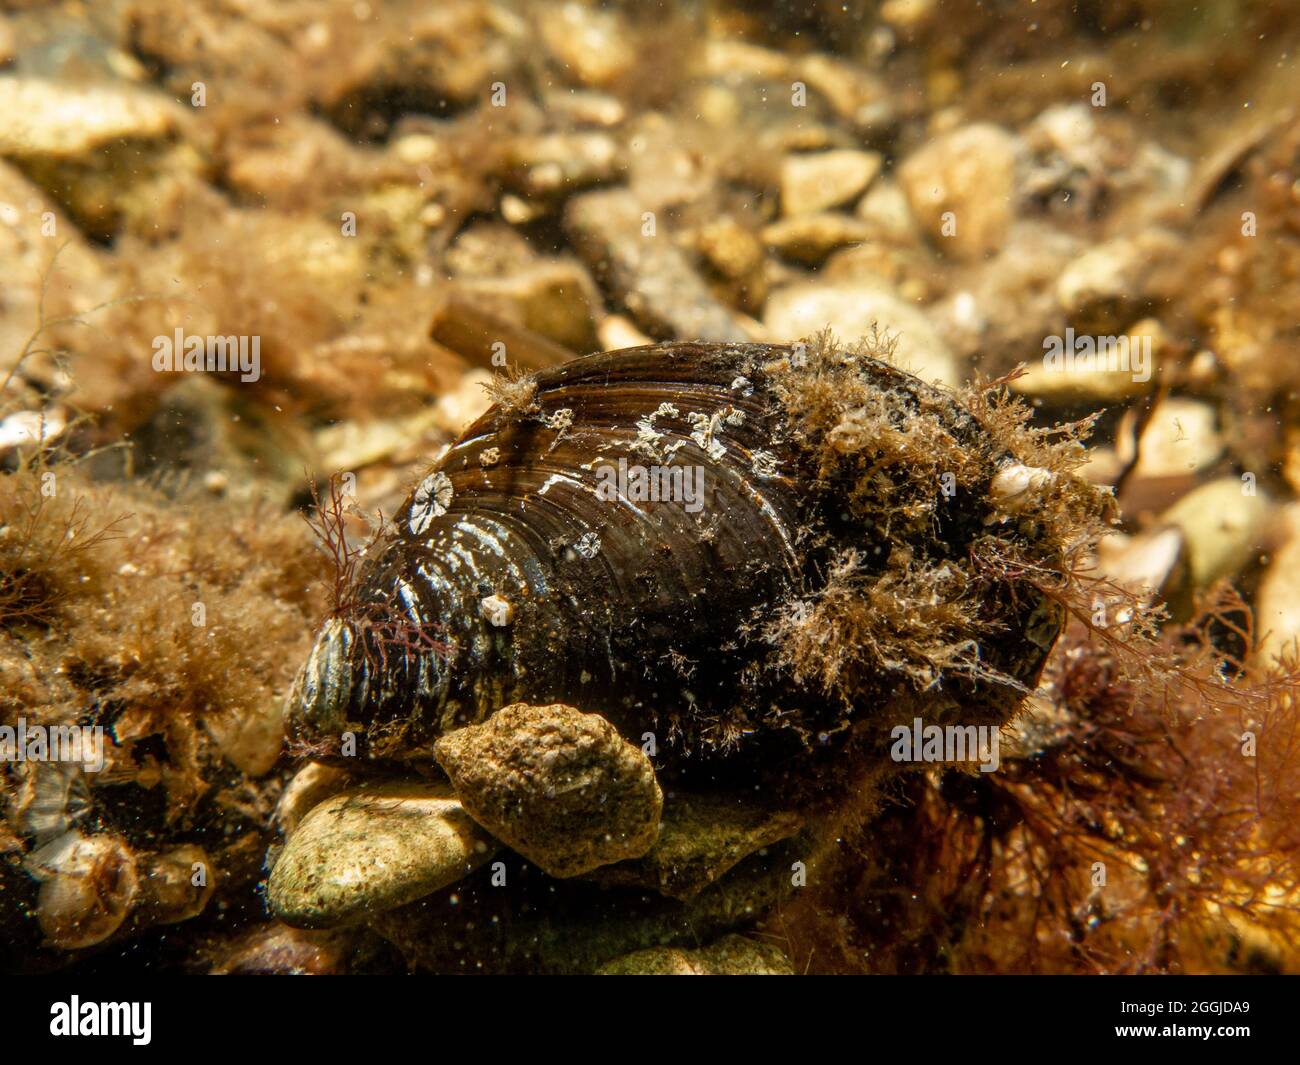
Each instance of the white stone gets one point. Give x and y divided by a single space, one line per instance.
819 180
851 310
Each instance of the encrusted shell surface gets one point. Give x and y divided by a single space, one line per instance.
539 587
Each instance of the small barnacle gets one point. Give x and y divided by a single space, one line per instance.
496 611
707 427
432 498
649 438
89 886
852 432
764 464
1015 485
489 456
559 420
587 545
54 797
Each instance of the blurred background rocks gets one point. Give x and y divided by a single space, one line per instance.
402 199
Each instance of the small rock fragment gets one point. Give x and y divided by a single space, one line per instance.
1153 564
820 180
909 16
83 278
856 96
702 837
884 208
1277 614
281 163
1003 310
459 408
104 153
583 108
616 331
1179 443
489 250
559 163
962 188
559 786
592 46
24 428
728 57
367 850
354 445
47 119
1224 523
730 956
1072 161
252 738
574 926
520 212
627 249
736 256
878 262
809 238
1110 370
1109 280
553 299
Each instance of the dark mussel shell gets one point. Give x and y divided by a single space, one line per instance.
510 574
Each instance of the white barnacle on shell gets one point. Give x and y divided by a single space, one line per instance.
706 429
648 438
496 611
1015 484
559 420
764 464
432 498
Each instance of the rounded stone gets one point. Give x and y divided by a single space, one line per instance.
561 787
364 851
962 187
